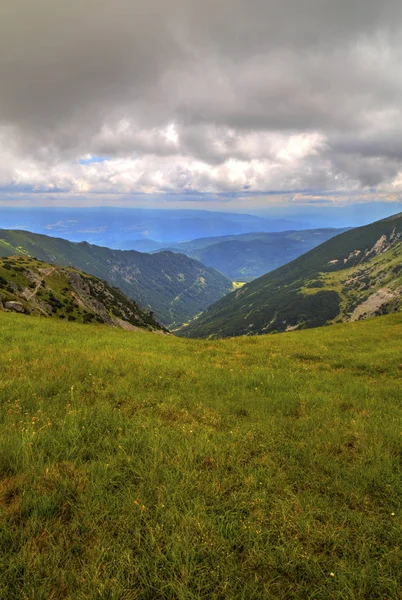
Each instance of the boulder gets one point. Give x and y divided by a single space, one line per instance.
15 306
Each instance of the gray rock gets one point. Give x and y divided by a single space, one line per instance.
15 306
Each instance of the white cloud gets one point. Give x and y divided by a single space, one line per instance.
252 161
210 97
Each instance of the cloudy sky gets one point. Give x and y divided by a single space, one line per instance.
264 101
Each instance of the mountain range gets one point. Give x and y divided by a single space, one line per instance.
176 288
249 255
151 228
352 276
122 228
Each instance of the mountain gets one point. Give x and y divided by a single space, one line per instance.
351 214
352 276
143 245
30 286
175 287
250 255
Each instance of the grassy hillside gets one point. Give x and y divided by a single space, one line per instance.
33 287
151 467
174 286
250 255
354 275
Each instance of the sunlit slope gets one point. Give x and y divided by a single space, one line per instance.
354 275
173 286
144 466
33 287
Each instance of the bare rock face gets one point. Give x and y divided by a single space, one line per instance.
15 306
374 302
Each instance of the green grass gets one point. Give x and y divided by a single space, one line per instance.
134 465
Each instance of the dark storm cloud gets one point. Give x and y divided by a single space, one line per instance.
108 77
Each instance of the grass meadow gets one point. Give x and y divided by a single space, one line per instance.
143 466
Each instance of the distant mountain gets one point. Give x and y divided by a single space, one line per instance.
250 255
144 245
175 287
122 228
352 276
337 214
30 286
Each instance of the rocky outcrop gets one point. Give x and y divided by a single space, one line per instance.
14 306
374 303
32 287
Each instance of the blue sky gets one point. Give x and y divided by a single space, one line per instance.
93 159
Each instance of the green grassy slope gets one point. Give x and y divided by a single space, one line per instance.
250 255
353 275
174 286
145 466
38 288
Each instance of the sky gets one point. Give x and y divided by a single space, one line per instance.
220 104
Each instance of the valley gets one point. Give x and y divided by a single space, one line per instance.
353 275
176 288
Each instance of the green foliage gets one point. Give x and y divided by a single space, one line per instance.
145 466
313 310
315 284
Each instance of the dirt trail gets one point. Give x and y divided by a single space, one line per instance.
46 272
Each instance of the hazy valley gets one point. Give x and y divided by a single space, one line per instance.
249 255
